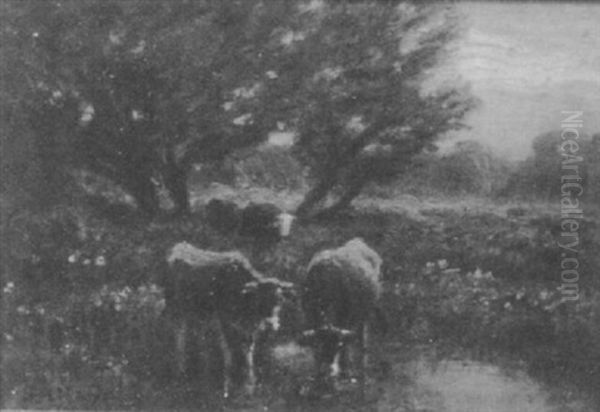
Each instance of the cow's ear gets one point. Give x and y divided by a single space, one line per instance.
250 287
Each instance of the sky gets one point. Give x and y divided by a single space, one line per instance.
527 62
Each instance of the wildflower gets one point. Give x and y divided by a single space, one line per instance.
9 288
97 300
73 257
271 74
87 262
508 306
100 261
442 264
22 310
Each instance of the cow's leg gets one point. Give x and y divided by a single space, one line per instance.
364 355
345 357
227 357
180 347
250 351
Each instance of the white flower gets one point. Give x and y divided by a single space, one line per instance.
10 286
291 37
137 115
87 262
139 48
355 124
23 310
271 74
100 261
442 264
87 114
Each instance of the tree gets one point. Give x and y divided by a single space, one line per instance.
543 173
138 91
355 71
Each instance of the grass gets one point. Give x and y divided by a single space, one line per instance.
460 275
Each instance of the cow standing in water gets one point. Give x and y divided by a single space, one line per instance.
340 299
221 289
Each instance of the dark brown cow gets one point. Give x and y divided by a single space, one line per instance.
223 215
265 222
223 290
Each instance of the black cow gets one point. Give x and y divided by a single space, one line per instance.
265 221
340 297
223 215
221 290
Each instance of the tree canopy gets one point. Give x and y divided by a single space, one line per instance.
137 91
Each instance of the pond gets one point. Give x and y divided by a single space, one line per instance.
417 380
469 386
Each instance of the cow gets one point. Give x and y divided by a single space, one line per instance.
265 222
222 290
223 215
340 297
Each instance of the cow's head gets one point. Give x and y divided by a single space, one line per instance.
283 223
266 297
327 343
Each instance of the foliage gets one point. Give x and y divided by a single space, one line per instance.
471 282
137 91
363 113
270 167
541 174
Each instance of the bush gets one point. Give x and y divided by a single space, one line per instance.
271 167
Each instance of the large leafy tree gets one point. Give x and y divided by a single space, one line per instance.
137 91
356 71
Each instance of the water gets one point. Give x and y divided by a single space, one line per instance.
468 386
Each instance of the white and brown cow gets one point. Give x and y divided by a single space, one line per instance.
222 290
340 299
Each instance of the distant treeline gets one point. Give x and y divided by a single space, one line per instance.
471 168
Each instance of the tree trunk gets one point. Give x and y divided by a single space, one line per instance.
144 192
345 200
175 179
313 197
